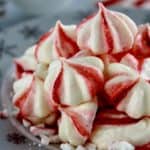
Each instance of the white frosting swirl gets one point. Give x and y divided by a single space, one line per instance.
76 123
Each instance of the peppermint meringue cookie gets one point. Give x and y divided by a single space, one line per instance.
29 98
74 81
141 46
136 103
60 41
128 86
137 134
76 123
26 63
106 32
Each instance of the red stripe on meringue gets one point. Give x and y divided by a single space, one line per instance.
79 124
105 26
65 46
143 147
19 69
140 65
41 40
19 102
113 117
116 93
56 88
93 78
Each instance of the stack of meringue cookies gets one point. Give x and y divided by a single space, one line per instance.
88 83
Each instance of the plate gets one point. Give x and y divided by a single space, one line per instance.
13 43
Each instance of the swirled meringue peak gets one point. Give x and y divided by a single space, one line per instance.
141 46
128 86
75 80
26 63
76 123
87 83
60 41
29 98
106 32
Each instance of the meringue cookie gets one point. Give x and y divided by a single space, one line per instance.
141 46
26 63
29 98
76 123
106 32
137 134
75 80
137 101
58 42
129 84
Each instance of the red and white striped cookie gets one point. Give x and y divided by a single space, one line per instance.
29 98
128 86
74 81
60 41
141 46
106 32
76 123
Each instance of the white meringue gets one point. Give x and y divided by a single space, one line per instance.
137 101
106 32
132 79
76 123
58 42
29 98
75 80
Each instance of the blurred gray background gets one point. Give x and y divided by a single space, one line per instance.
16 11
